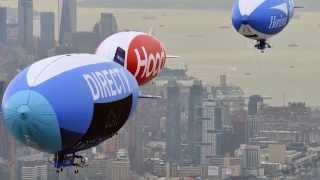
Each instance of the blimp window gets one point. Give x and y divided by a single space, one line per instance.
120 56
107 119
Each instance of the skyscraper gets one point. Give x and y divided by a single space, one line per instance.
84 42
173 123
208 145
25 24
47 40
32 167
219 129
120 166
108 25
195 122
212 130
136 144
3 25
4 136
250 160
254 106
218 119
68 21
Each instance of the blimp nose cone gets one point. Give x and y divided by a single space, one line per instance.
23 112
32 121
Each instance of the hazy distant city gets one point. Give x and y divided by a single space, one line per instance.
227 112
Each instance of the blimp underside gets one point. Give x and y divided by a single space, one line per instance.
108 118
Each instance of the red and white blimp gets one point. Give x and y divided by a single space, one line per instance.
142 54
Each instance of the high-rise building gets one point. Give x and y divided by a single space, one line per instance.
173 123
47 28
136 143
120 166
254 106
3 25
68 21
212 130
220 141
108 25
195 122
4 170
218 118
250 160
231 96
4 138
100 168
7 150
239 120
25 24
34 172
32 167
208 146
223 80
251 127
219 129
84 42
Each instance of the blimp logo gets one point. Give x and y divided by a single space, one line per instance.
276 22
147 57
103 84
248 8
282 7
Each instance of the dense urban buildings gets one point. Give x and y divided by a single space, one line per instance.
195 131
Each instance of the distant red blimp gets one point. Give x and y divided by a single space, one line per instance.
142 54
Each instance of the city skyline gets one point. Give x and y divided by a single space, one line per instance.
221 115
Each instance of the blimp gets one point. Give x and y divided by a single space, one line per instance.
261 19
140 53
68 103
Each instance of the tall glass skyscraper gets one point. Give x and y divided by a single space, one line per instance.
47 39
173 123
3 24
25 24
68 21
195 122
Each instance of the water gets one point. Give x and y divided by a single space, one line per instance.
209 47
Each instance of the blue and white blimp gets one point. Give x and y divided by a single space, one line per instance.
261 19
68 103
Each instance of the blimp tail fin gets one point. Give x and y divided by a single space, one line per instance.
298 7
172 57
151 31
147 96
